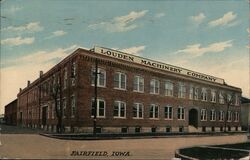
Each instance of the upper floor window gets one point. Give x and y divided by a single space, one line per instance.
65 78
204 94
73 73
237 101
196 93
100 108
236 116
64 102
119 109
181 113
191 92
213 96
168 112
154 86
101 77
221 98
138 110
138 84
229 98
73 106
203 115
154 111
169 88
120 80
229 116
212 115
181 90
221 115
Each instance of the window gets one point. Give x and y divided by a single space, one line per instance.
204 94
73 106
153 129
236 116
221 98
64 108
101 77
229 116
221 115
124 129
181 90
203 115
53 110
213 96
229 98
168 112
237 102
138 110
181 129
212 115
120 80
181 113
154 111
65 78
137 129
73 73
169 88
191 92
138 84
154 86
203 128
100 110
196 93
168 129
58 106
119 109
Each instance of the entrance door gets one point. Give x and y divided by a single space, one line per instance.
193 117
44 115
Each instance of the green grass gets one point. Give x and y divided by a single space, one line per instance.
210 153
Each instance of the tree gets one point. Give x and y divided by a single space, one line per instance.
56 93
229 100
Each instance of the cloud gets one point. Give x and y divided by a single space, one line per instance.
198 19
121 23
159 15
30 27
17 41
25 68
226 20
14 9
133 50
57 34
197 50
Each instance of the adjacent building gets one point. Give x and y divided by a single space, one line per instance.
10 113
245 114
134 95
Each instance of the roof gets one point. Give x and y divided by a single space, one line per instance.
245 100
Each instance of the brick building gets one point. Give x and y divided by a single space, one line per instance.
10 113
134 94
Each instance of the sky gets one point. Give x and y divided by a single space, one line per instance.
210 37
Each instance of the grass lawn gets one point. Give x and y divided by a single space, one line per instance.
245 146
210 153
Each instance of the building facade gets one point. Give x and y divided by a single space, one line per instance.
245 114
10 113
134 95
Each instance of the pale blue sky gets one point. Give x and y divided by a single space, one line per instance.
206 36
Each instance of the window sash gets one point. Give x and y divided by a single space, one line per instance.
168 112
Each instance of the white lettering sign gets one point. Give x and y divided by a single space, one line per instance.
155 64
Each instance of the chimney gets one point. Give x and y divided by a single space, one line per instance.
41 73
20 89
28 83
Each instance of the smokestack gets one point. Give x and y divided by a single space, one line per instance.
41 73
28 83
20 89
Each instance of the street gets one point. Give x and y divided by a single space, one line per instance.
32 145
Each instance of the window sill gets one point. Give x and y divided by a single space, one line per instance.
98 86
119 117
154 118
137 118
138 91
121 89
169 119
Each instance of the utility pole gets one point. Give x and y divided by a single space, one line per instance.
95 100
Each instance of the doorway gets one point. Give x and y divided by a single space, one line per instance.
193 117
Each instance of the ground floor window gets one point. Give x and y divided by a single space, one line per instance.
236 128
168 129
213 129
153 129
229 128
221 128
204 129
181 129
137 129
181 113
98 129
154 111
124 129
100 110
